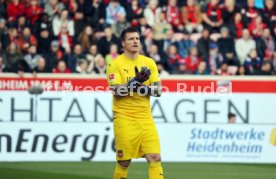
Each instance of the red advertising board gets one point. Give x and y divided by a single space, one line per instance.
170 84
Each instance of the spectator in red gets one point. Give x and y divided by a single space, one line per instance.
14 10
173 57
134 12
182 67
256 27
64 38
72 6
236 26
61 68
26 40
192 17
249 13
63 20
10 37
269 43
21 23
152 12
192 60
212 16
269 13
223 70
33 11
173 16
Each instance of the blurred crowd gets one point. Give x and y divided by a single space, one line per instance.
201 37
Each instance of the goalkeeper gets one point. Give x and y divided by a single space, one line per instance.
133 78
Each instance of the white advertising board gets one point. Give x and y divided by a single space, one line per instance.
251 108
240 143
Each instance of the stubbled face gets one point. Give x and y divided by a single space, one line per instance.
132 43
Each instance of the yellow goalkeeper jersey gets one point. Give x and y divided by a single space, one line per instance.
120 71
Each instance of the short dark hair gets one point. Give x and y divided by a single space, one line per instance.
231 115
128 30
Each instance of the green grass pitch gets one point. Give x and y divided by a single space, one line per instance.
138 170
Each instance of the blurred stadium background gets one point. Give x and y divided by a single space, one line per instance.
217 61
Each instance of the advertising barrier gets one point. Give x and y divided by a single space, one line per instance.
179 142
72 119
172 107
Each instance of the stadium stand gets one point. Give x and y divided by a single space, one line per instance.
216 37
